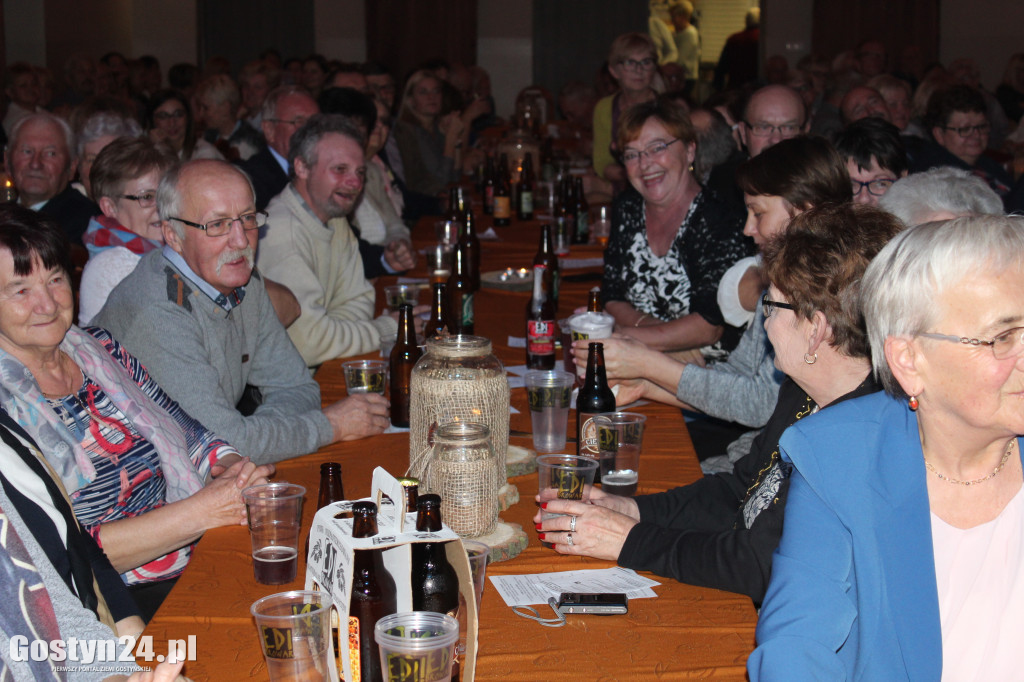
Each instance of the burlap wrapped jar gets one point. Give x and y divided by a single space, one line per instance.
462 469
458 380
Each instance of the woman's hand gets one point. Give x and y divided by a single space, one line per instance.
630 390
220 502
599 530
624 358
451 125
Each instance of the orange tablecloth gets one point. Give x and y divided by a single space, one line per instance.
685 633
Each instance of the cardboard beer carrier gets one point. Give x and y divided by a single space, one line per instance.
331 554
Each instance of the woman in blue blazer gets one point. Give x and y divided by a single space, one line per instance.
901 556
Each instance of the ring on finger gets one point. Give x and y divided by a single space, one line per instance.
572 524
568 538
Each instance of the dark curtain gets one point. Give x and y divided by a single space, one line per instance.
842 25
400 34
241 29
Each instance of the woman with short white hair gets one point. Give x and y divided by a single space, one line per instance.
903 550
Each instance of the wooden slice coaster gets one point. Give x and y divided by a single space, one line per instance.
506 541
520 461
508 495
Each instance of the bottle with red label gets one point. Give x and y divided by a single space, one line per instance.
540 324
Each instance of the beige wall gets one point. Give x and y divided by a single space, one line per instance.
505 48
988 30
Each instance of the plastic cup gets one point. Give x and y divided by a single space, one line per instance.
417 646
564 477
549 393
294 630
560 235
591 325
366 376
479 555
439 262
275 512
620 437
601 225
397 294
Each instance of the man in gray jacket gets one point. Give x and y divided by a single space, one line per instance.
198 316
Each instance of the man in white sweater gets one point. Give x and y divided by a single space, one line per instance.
309 247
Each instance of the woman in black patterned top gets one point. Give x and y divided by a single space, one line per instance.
671 240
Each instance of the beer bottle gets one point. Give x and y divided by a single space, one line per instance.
594 302
502 198
564 226
489 183
594 398
469 244
582 213
435 584
460 298
373 596
540 324
438 316
546 257
331 490
524 207
411 487
403 357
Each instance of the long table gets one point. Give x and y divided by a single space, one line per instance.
687 632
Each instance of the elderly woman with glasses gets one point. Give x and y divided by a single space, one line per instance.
632 62
671 240
721 530
903 551
124 179
137 467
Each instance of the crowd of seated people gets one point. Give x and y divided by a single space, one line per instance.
815 241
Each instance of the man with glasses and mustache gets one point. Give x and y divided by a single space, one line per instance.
198 316
960 129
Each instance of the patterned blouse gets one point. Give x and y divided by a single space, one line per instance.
129 480
684 280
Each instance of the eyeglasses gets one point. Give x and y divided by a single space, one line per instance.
632 156
221 226
146 199
769 306
1009 344
298 121
641 65
965 131
876 187
786 130
167 115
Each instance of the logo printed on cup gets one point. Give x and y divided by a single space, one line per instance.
569 485
542 397
370 379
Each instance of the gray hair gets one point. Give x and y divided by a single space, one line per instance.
106 123
69 136
904 281
169 198
947 190
269 110
306 139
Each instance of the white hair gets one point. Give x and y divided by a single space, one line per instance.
940 190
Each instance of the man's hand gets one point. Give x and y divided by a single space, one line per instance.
358 416
400 255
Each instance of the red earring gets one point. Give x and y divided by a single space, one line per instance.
912 403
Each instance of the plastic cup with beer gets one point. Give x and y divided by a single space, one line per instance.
294 630
366 376
620 437
274 511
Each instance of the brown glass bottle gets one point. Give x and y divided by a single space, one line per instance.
546 256
438 321
331 490
582 213
527 184
502 196
411 487
435 584
403 358
469 244
490 181
454 214
563 228
460 298
373 594
594 302
594 398
540 324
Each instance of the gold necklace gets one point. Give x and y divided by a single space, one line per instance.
1002 463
